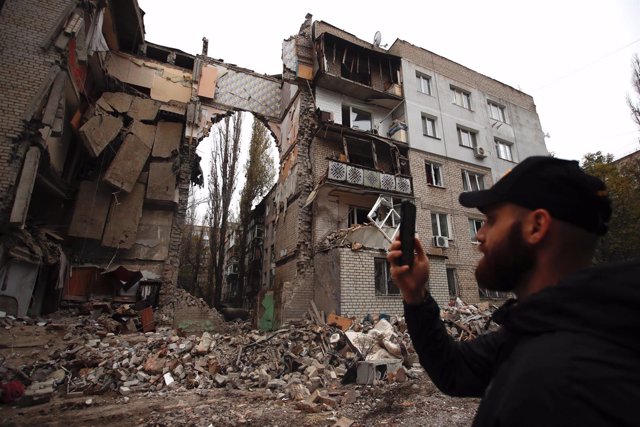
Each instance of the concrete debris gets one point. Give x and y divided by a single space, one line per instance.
118 101
309 363
98 132
467 321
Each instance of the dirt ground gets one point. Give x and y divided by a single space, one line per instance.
415 403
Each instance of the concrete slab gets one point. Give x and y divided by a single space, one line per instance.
124 217
91 209
25 187
167 141
152 238
98 132
143 109
146 133
125 168
119 101
162 182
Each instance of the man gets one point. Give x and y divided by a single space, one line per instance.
568 352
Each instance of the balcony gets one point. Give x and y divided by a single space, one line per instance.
368 178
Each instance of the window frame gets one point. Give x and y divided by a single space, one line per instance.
352 216
501 109
438 225
509 145
422 77
431 170
463 95
390 289
473 229
351 109
473 137
452 273
434 120
466 180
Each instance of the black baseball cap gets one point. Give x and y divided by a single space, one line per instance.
559 186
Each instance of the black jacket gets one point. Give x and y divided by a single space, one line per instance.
568 355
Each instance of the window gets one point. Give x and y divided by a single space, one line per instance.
467 138
434 174
496 112
474 226
384 284
429 126
472 181
461 97
356 118
357 216
503 149
424 83
452 281
440 225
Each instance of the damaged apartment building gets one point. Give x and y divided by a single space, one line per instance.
99 131
372 127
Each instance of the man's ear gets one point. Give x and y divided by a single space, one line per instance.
536 226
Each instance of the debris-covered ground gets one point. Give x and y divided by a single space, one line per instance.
96 368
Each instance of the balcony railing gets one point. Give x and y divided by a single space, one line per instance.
365 177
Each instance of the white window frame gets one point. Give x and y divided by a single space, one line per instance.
429 126
474 225
436 224
472 136
504 150
461 97
434 171
354 110
424 83
497 111
469 178
390 288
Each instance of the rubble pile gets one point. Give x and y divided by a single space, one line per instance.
304 362
467 321
184 299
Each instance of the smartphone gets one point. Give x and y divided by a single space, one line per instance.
407 232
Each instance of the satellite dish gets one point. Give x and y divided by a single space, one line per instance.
377 39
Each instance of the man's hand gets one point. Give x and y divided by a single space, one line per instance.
411 280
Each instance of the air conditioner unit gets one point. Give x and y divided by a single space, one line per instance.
479 153
440 242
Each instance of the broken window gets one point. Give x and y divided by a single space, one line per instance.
434 174
357 216
472 181
384 284
356 118
452 282
440 224
474 226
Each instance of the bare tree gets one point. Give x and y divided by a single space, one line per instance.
634 105
222 180
259 173
191 249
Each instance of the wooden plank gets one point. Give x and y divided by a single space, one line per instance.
147 320
343 323
25 187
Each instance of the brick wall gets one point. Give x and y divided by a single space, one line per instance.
462 253
24 25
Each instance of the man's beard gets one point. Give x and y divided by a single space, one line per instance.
504 266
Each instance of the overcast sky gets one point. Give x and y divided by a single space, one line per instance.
572 56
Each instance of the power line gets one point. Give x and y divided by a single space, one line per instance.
585 66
